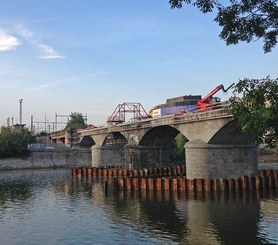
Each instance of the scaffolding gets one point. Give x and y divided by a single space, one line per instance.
119 114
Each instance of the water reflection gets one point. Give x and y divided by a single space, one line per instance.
199 218
269 219
80 211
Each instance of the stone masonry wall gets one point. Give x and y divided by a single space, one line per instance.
220 161
49 159
107 156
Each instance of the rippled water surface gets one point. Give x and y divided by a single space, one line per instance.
48 207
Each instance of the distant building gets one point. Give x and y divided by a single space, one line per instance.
68 137
176 105
90 126
18 127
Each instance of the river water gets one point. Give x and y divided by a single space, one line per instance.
48 207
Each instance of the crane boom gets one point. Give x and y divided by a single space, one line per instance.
213 92
207 101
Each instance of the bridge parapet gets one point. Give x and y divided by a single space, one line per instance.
173 119
134 131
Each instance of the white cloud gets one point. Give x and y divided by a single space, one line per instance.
51 57
41 87
46 51
8 42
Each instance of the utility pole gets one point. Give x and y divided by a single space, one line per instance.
55 122
32 125
8 122
45 122
86 119
20 111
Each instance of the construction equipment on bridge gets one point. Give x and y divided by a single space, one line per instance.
210 101
176 105
119 114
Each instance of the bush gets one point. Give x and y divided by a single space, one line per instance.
14 143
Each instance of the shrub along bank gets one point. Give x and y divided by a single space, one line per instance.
14 143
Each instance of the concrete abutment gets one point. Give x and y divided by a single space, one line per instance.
209 161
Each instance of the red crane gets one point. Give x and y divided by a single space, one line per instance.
209 100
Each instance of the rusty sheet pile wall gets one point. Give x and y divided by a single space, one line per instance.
173 178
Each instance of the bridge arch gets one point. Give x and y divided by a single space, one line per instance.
227 154
157 147
230 133
114 139
109 149
87 141
159 136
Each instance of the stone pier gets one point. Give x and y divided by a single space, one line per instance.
149 156
210 161
107 156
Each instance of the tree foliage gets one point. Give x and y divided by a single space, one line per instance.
180 142
241 20
257 109
14 143
76 121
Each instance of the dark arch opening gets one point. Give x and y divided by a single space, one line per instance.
167 137
231 133
159 136
115 139
87 141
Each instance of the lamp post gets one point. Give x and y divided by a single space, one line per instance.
20 111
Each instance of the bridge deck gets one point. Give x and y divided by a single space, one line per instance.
174 119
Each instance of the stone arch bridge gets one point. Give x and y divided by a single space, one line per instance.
216 147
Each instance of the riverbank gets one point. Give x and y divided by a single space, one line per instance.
268 158
53 158
267 155
49 159
273 165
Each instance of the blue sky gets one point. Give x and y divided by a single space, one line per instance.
88 56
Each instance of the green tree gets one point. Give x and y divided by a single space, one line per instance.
76 121
241 20
14 143
180 142
257 109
